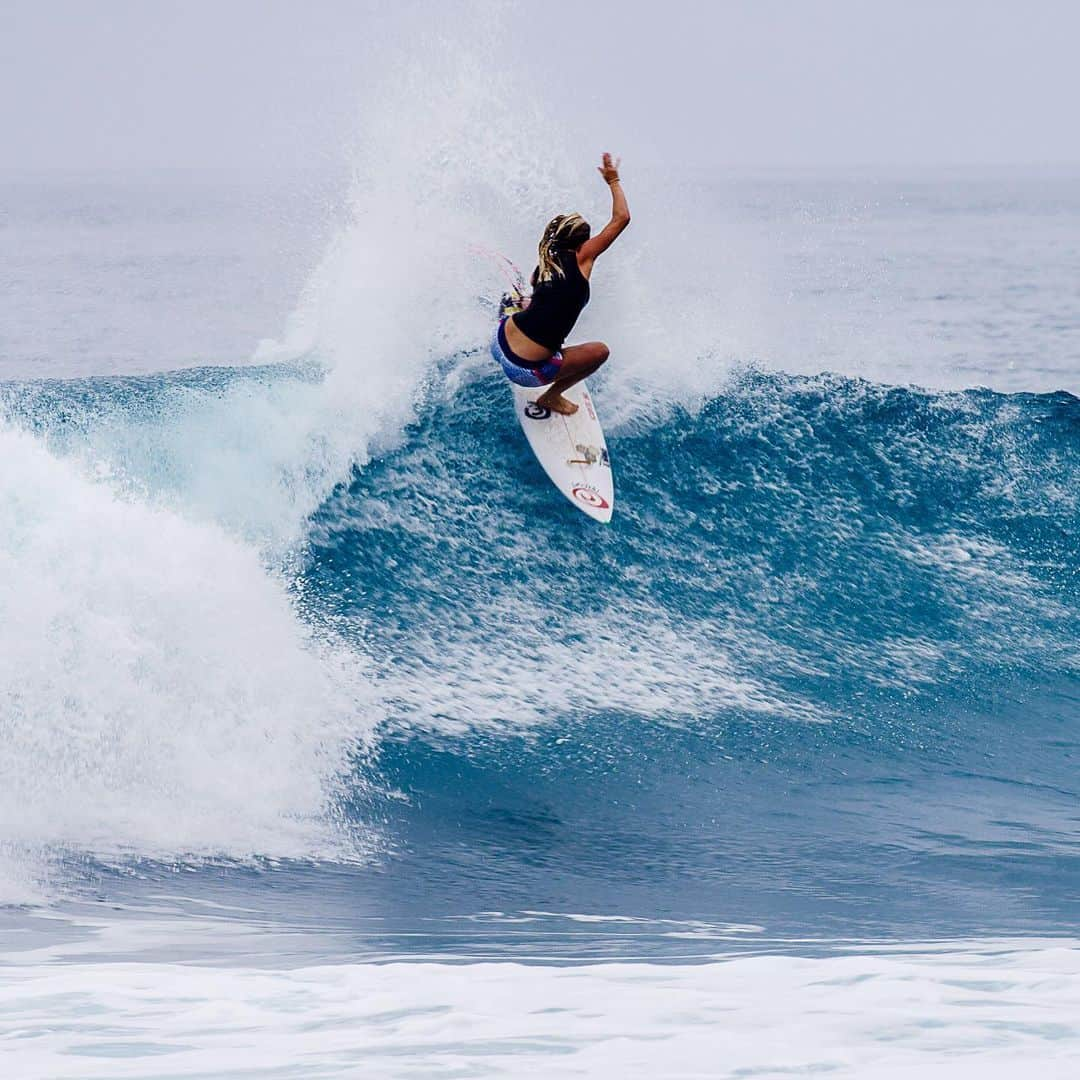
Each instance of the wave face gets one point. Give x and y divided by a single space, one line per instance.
822 664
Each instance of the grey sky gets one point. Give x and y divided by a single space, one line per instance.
270 85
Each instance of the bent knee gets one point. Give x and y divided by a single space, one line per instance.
602 352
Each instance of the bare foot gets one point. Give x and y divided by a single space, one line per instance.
557 403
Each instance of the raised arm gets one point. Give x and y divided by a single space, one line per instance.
620 217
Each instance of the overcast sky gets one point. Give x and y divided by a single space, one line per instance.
267 85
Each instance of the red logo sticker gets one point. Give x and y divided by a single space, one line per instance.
590 497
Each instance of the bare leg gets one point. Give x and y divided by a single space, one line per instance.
579 362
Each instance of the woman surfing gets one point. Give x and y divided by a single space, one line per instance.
529 344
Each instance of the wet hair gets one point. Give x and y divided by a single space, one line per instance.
567 232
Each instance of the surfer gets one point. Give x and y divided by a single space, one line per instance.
529 344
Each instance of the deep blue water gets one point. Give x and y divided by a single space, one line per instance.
899 568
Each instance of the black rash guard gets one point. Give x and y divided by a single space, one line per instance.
555 304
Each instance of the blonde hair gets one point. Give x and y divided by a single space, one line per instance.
567 232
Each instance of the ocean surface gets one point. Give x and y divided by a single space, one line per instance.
334 742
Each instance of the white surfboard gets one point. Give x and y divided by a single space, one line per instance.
571 449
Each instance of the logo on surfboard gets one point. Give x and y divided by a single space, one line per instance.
535 411
590 497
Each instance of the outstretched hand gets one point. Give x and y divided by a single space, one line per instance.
607 170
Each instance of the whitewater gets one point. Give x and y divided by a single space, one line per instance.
333 742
